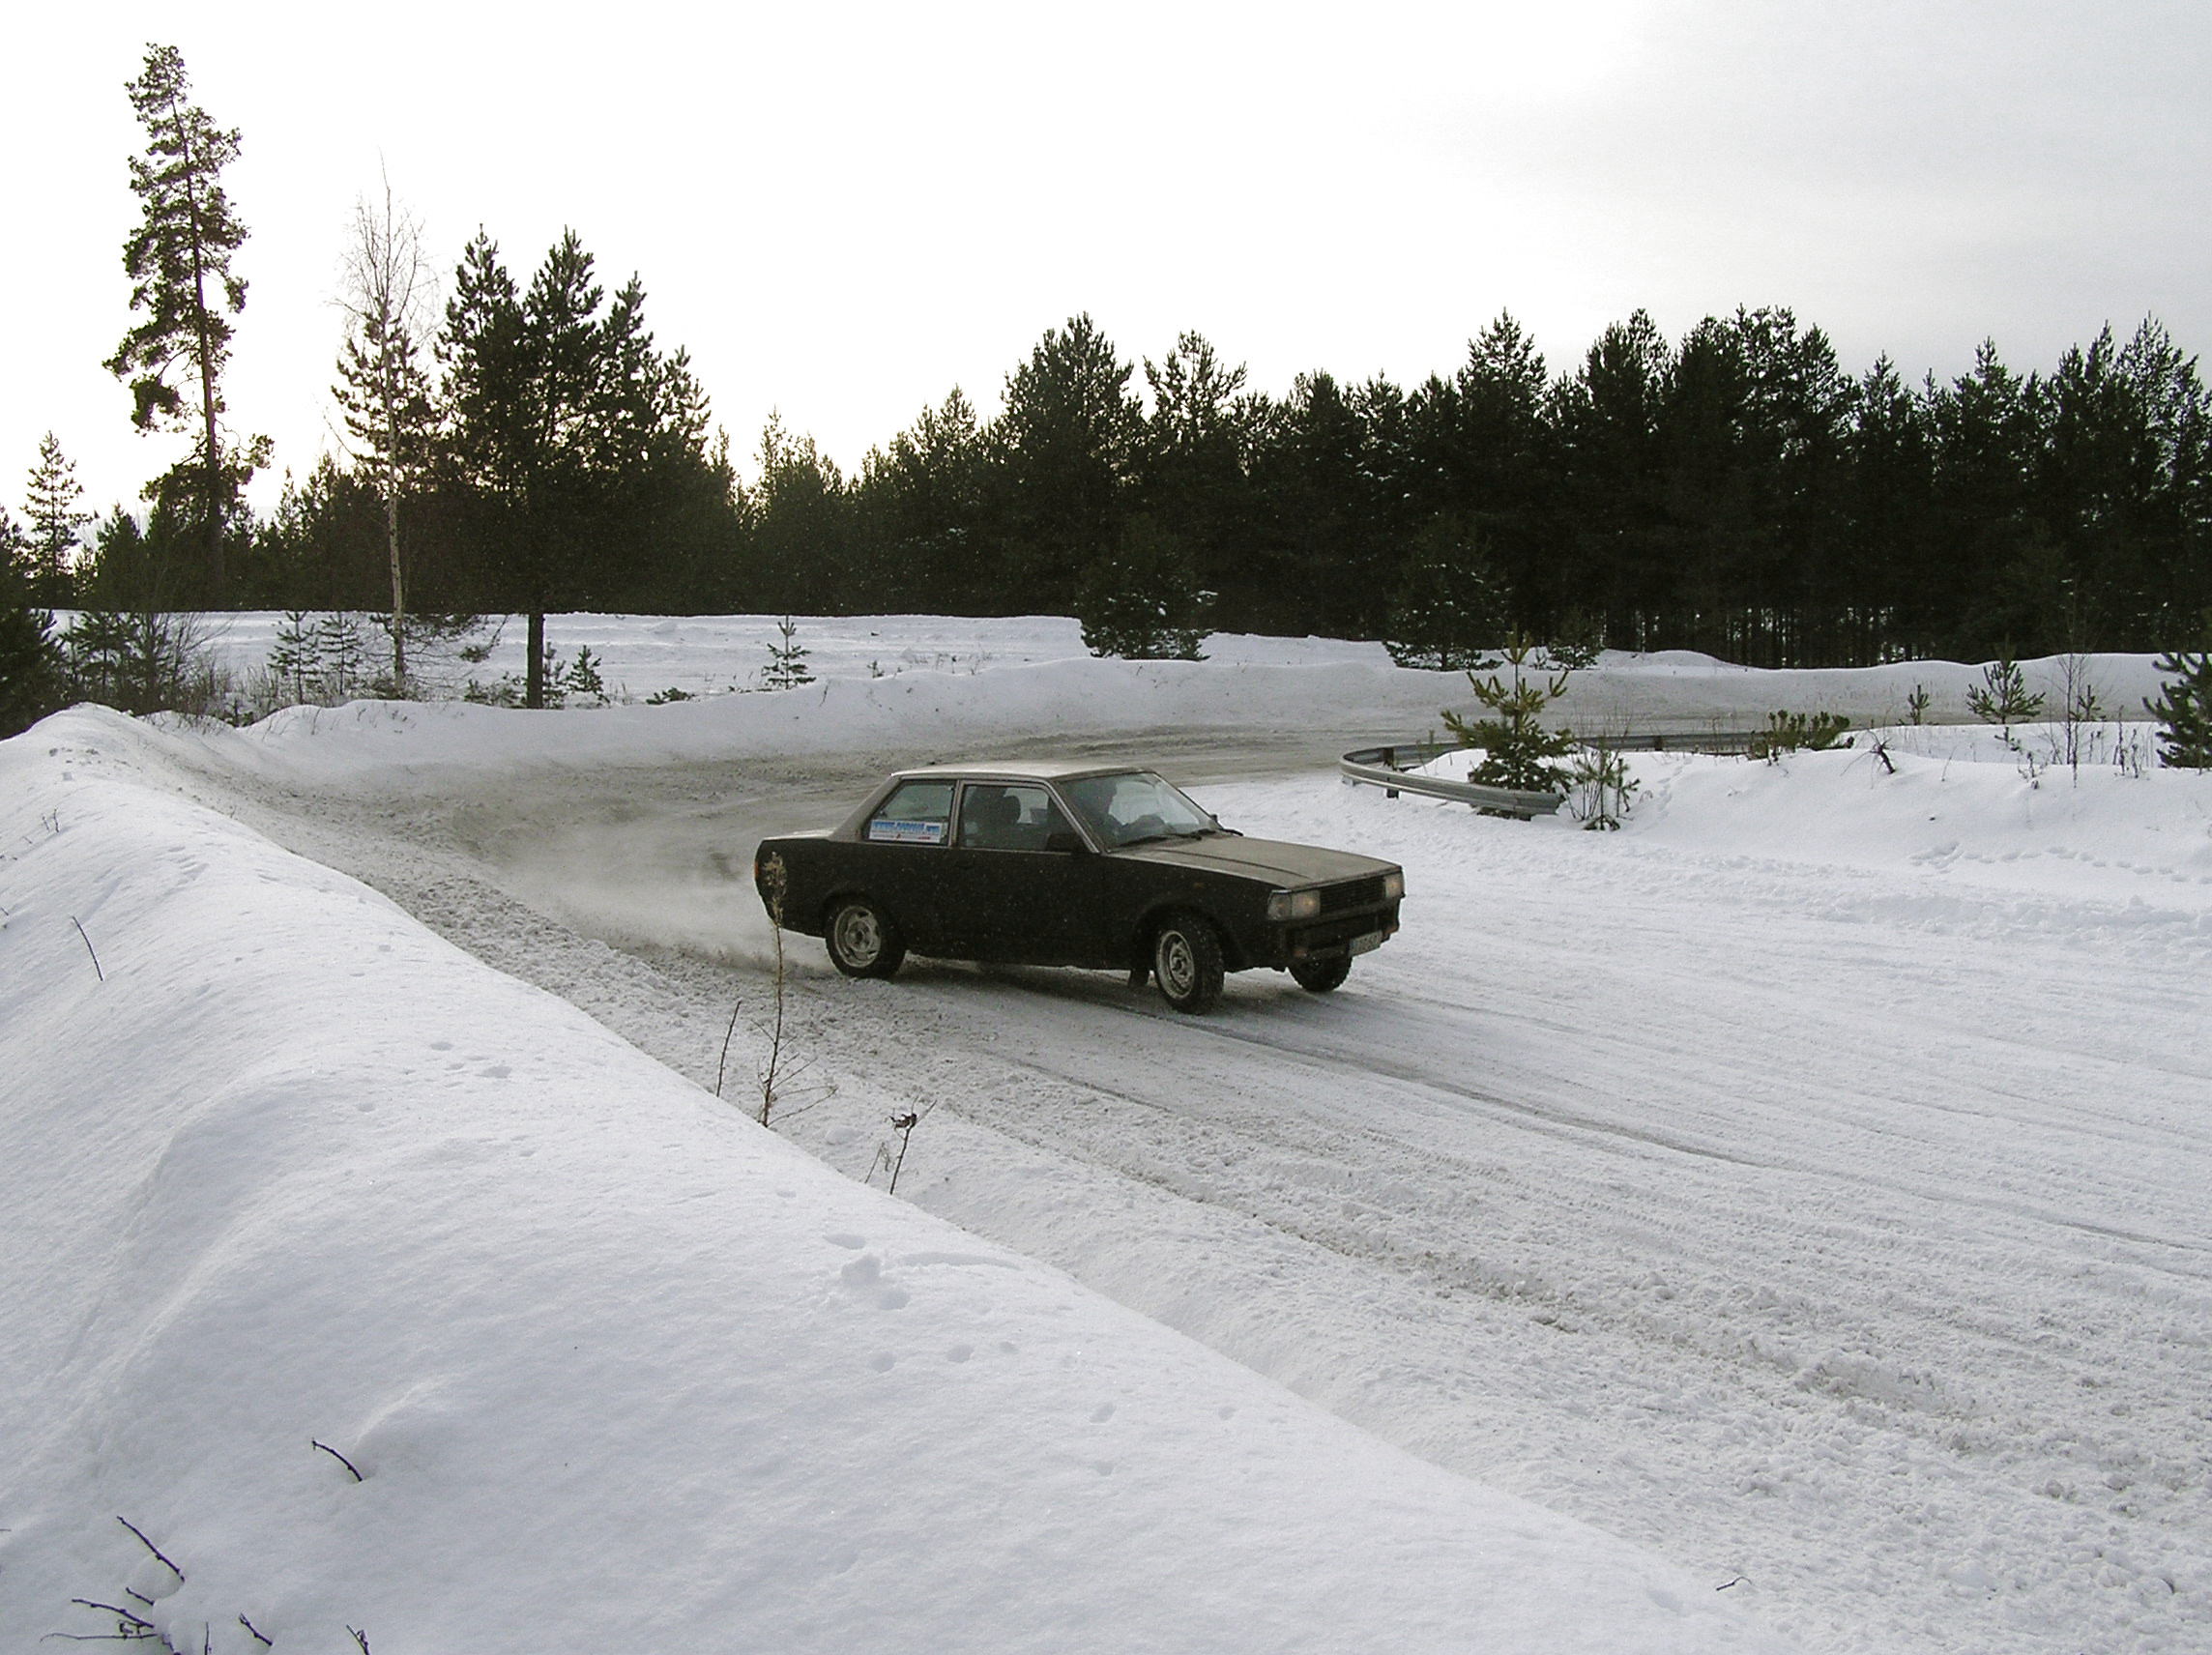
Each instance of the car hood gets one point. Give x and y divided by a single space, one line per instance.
1269 859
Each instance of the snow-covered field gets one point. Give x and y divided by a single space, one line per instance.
1806 1189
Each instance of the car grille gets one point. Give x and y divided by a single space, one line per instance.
1352 893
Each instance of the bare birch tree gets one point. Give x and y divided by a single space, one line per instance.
388 292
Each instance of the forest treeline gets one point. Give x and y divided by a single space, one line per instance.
1737 491
528 446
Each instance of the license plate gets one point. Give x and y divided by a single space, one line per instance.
1362 944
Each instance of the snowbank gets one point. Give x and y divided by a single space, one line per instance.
976 684
1939 805
1345 694
617 1368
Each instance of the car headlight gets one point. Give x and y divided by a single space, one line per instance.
1393 886
1285 905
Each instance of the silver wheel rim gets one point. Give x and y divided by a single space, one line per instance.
859 940
1177 968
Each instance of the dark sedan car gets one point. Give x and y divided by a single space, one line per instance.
1068 864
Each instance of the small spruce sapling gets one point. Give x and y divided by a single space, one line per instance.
553 680
2184 710
344 653
2002 699
1577 641
1603 790
296 656
1916 705
786 667
1786 732
580 679
1517 751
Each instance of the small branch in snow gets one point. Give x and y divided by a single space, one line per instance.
148 1544
1725 1585
361 1637
256 1631
903 1125
728 1035
102 977
130 1625
312 1442
101 1637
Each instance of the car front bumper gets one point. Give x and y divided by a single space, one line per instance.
1339 933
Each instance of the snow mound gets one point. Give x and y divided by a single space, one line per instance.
596 1360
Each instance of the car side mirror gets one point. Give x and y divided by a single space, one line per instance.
1071 843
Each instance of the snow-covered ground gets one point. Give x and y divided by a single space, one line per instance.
598 1362
1807 1184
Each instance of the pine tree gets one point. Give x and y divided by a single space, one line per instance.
1517 750
2003 699
1066 450
1449 606
342 653
178 263
919 510
572 442
295 655
30 659
15 549
2184 710
55 520
1142 601
581 680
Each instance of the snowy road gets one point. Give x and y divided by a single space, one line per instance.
1839 1228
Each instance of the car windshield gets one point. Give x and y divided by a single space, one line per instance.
1133 808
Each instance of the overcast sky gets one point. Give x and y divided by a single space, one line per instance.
844 211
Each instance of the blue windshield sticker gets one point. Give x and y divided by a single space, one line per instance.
907 832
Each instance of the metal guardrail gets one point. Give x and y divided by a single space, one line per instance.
1388 768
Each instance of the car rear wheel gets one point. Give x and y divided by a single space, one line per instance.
1319 976
863 941
1187 960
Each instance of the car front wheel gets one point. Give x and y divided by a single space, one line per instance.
863 941
1187 960
1319 976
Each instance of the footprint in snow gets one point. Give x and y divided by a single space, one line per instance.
864 1279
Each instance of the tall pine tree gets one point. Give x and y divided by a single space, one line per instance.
1067 448
580 447
179 261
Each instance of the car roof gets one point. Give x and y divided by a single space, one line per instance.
1017 770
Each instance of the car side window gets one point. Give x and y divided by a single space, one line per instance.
996 816
917 813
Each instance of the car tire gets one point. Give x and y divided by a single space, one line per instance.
863 941
1319 976
1186 961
